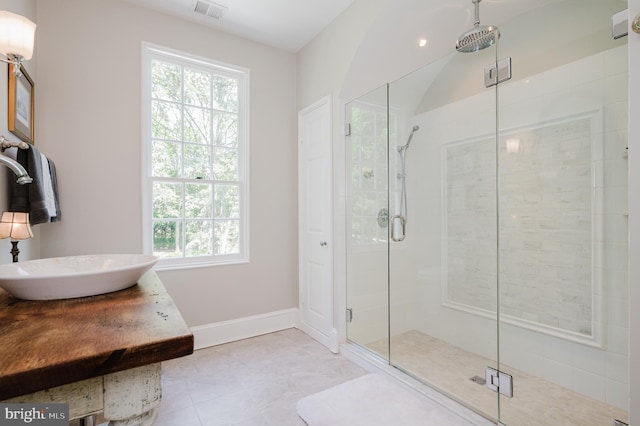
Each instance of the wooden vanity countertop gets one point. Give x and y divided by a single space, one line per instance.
49 343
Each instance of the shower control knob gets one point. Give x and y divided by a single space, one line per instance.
635 25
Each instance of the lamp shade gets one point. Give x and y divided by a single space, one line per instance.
16 35
15 225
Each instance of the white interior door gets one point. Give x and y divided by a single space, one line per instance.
315 225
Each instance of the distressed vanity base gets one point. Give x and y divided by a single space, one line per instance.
126 398
99 354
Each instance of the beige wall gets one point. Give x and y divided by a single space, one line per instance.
89 123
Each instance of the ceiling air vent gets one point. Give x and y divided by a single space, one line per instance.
212 10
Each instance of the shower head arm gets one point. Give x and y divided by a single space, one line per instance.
479 37
476 3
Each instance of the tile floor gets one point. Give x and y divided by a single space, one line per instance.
252 382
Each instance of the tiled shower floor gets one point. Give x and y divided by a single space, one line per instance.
535 402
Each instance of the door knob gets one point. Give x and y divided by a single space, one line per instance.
323 243
635 25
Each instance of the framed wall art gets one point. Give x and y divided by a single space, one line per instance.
21 104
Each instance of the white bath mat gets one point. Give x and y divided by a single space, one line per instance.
374 400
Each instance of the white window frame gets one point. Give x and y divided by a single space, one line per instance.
149 53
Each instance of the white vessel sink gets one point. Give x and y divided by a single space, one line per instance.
73 276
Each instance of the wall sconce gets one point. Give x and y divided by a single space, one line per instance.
16 39
16 226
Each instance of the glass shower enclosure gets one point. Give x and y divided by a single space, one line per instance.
487 223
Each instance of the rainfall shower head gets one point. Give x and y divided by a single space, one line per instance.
479 37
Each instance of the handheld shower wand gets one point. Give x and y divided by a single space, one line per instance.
406 145
403 214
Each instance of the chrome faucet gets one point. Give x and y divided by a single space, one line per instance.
23 176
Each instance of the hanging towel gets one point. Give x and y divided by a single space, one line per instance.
49 201
32 198
54 185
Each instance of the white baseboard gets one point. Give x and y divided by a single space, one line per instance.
329 340
243 328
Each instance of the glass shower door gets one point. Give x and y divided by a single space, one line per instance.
562 215
367 209
443 279
487 226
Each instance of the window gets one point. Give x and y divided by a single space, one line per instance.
372 126
195 120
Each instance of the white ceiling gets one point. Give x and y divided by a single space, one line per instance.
285 24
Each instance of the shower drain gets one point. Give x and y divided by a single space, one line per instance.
479 380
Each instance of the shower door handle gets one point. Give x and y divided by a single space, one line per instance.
392 231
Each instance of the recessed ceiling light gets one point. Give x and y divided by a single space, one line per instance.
422 42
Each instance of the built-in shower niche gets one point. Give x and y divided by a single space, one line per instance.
546 230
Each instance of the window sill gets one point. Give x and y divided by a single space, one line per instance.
160 266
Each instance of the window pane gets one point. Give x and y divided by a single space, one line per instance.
198 201
166 159
197 162
166 81
227 201
194 152
167 239
227 240
197 125
366 125
225 129
166 121
199 235
197 88
167 200
356 230
225 93
225 166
